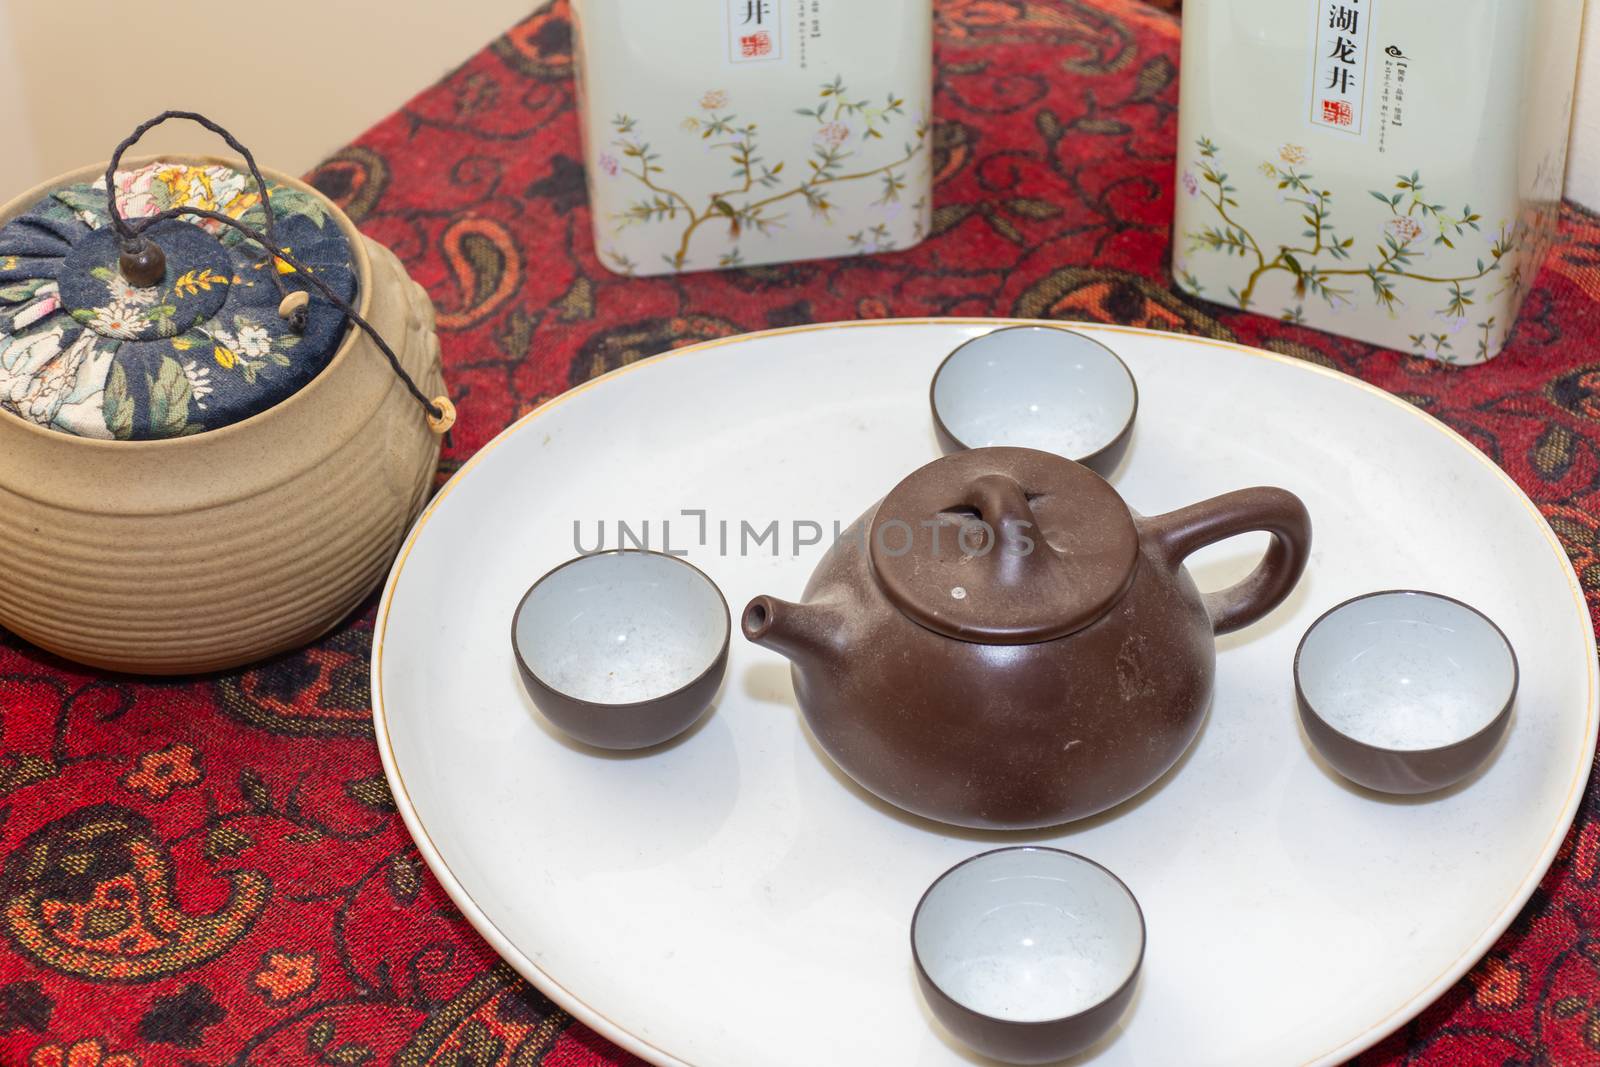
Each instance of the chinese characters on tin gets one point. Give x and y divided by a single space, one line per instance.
1339 88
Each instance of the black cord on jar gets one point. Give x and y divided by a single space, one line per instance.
439 410
144 258
143 263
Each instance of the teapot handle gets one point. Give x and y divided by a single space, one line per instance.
1177 534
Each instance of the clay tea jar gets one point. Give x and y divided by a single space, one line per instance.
176 551
1002 643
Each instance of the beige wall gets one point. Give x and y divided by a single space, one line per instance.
327 70
19 163
1583 162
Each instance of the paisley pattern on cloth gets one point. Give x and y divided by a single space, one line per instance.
91 895
84 352
133 932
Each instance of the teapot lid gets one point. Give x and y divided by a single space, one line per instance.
1004 546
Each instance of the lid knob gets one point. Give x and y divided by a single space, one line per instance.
143 264
1003 546
995 512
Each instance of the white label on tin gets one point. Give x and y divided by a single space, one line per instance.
755 30
1339 65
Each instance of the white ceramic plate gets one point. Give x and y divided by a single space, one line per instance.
732 901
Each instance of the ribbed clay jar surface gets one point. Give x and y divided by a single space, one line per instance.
208 552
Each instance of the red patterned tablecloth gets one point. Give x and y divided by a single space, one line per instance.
211 871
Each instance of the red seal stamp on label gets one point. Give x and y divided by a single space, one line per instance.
1338 112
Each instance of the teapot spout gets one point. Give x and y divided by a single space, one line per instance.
803 633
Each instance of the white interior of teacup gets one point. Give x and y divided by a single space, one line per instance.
622 627
1406 671
1035 387
1028 935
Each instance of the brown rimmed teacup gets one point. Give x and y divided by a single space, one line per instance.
622 649
1039 387
1028 954
1405 691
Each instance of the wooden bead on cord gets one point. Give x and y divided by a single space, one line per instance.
143 266
441 423
294 302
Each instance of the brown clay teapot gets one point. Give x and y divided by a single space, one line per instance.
1002 643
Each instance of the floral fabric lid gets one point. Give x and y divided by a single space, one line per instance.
84 352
